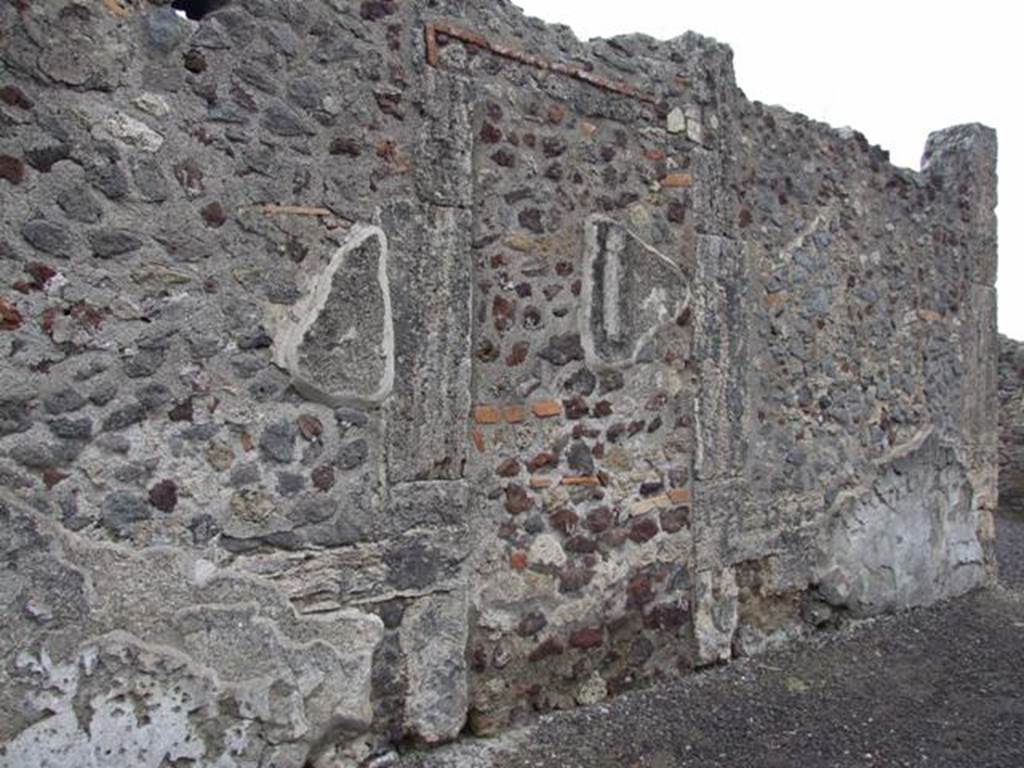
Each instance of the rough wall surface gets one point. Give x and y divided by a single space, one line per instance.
1011 426
373 369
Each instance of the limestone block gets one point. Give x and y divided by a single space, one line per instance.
433 637
630 292
716 617
431 283
339 348
721 352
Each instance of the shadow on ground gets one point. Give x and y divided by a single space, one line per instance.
941 687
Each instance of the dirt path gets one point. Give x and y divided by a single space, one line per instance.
939 687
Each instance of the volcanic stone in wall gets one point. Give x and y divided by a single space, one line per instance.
1011 426
339 346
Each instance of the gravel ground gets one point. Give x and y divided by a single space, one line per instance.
941 687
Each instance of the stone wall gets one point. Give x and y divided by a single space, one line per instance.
1011 426
376 369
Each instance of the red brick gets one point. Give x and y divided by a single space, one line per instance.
676 180
514 414
587 480
544 409
486 414
679 496
478 439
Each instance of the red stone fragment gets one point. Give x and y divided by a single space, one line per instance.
517 500
87 314
675 519
41 274
639 592
573 579
564 519
550 647
517 560
643 530
323 478
665 617
214 214
588 637
478 440
541 460
12 169
489 134
508 468
599 520
310 426
46 321
13 96
580 545
10 317
531 624
52 476
576 407
504 312
519 351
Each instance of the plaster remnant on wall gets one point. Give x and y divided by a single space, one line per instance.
339 349
908 539
206 646
630 292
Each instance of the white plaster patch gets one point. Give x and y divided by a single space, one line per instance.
630 293
380 350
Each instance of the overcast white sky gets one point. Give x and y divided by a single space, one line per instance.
893 70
